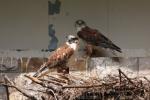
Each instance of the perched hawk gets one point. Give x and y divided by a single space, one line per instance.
93 37
60 57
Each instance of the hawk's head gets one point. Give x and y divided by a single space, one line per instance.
79 24
72 41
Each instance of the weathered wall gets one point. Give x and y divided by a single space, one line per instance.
132 66
24 23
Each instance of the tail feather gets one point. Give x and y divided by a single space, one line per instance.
111 46
116 48
43 67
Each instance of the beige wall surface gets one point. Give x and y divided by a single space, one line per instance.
129 23
24 23
94 12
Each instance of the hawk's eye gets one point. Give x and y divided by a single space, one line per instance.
76 41
70 41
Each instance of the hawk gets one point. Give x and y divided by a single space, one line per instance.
93 37
59 58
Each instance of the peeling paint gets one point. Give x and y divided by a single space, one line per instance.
54 7
54 41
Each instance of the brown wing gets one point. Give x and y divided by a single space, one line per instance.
59 57
96 38
88 35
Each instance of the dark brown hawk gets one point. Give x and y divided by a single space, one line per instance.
94 37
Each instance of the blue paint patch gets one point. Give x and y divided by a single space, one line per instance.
54 41
54 8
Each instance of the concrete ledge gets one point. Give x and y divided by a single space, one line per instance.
132 66
39 53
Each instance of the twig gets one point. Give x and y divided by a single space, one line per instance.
19 89
52 92
88 86
147 79
82 86
50 86
126 77
7 91
63 76
22 91
120 78
56 79
148 82
50 81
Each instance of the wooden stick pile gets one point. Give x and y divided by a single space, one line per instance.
69 87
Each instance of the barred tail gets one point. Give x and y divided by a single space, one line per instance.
116 48
43 67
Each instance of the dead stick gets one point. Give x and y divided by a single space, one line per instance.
148 82
7 91
57 79
83 86
120 79
19 89
34 79
126 77
51 91
50 81
8 80
88 86
147 79
50 86
63 76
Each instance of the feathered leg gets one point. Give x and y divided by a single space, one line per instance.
63 69
89 50
44 70
62 73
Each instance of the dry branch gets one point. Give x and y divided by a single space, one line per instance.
44 84
126 77
25 93
147 79
110 87
56 79
7 91
89 86
50 81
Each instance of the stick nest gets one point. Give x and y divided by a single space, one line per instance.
78 86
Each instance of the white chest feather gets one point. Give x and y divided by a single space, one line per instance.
72 45
79 29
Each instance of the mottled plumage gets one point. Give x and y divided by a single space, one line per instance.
60 57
